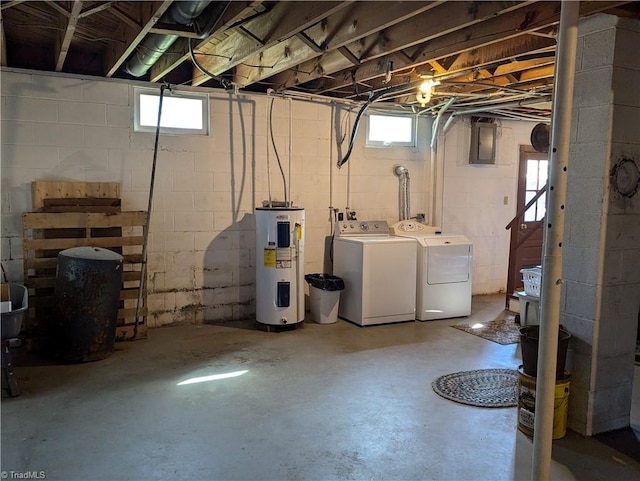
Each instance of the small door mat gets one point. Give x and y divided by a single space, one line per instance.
502 330
487 388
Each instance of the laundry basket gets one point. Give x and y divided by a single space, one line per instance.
531 278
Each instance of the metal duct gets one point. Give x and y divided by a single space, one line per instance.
405 209
155 45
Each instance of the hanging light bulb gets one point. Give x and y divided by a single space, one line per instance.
424 91
423 97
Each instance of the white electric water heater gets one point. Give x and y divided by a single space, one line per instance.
279 265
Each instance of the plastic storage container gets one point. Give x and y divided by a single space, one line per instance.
12 320
324 297
529 309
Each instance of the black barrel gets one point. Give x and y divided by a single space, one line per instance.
87 294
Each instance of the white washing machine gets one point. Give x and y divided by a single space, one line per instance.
444 275
379 273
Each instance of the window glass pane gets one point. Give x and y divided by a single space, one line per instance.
388 130
532 175
177 112
542 173
541 207
530 213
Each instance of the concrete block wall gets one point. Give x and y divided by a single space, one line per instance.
472 201
202 239
601 294
201 244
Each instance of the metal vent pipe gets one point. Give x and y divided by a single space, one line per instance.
403 174
155 45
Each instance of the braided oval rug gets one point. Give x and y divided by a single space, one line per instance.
487 388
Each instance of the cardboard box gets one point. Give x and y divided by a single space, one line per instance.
4 292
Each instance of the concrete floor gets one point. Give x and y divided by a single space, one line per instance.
318 403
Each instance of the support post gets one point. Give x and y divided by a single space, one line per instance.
554 233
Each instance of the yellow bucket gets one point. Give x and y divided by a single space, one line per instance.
527 404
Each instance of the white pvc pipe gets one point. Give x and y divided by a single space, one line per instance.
290 149
331 141
554 233
266 119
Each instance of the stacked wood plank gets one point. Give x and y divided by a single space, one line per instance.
77 214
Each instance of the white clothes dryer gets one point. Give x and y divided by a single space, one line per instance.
444 271
379 273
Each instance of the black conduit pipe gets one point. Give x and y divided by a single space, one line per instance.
145 228
356 124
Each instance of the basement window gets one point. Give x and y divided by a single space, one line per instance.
182 112
391 131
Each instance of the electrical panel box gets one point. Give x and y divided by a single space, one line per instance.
483 143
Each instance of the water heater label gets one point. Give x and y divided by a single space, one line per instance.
283 258
269 257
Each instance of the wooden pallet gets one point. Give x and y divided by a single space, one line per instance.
65 222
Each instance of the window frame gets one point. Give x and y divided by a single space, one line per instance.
382 144
200 96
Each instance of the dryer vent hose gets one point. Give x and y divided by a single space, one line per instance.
403 174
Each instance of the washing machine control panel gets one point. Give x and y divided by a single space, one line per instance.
410 228
362 227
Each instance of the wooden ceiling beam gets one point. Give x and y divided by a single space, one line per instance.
10 4
508 25
95 9
69 30
309 42
502 75
118 51
235 12
279 24
173 29
428 25
357 20
467 63
437 68
537 73
123 17
60 9
346 53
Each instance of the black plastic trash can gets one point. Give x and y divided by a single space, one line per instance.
87 295
324 297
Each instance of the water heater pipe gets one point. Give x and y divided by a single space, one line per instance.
403 174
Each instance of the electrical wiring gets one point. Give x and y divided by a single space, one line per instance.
226 84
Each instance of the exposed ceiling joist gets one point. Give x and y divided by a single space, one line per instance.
58 7
283 21
119 14
69 30
466 62
426 26
118 52
10 4
236 12
357 20
484 52
96 9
